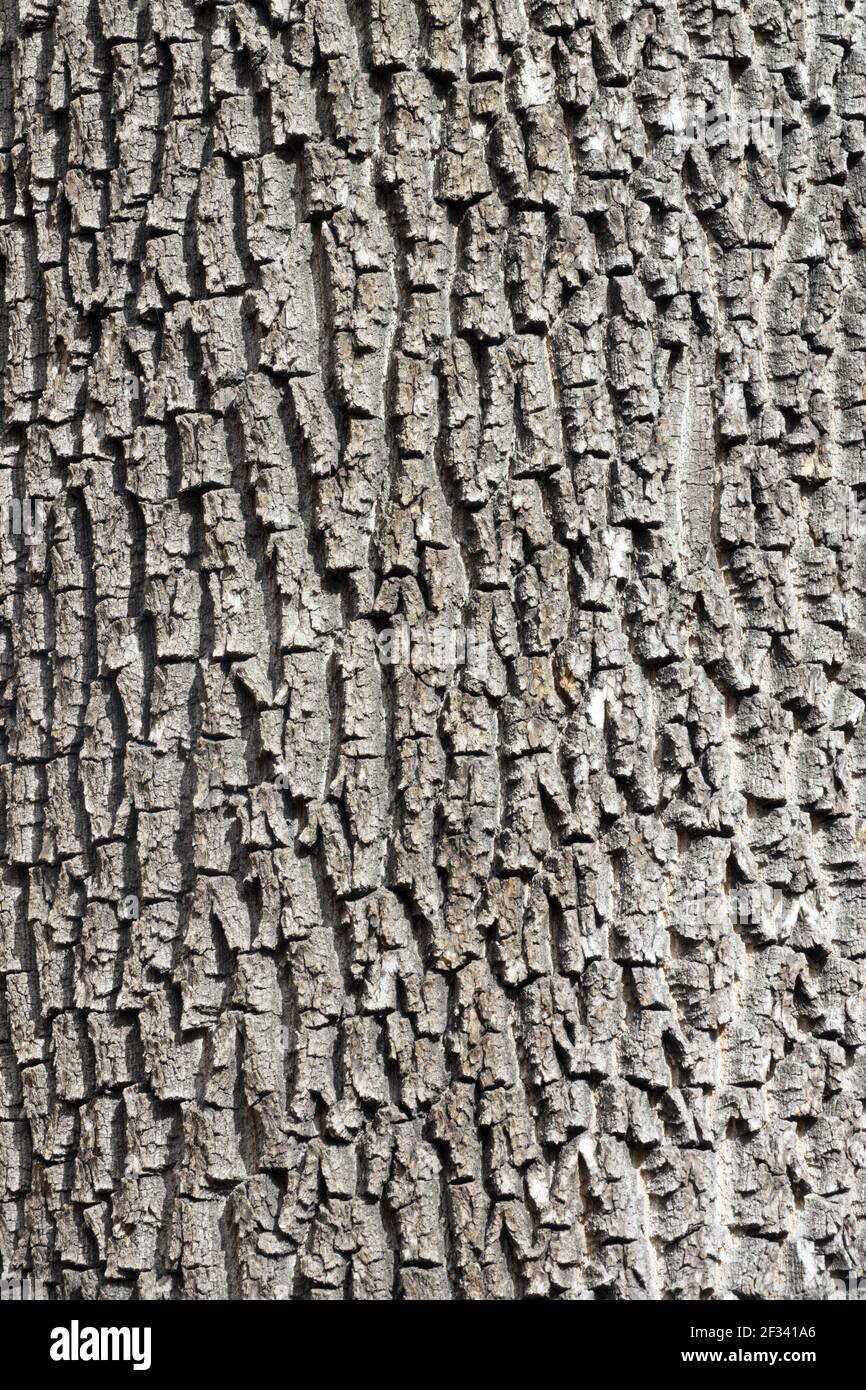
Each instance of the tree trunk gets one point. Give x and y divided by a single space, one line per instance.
434 648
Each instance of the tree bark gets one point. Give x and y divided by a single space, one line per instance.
433 648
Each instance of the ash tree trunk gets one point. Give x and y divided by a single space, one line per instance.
433 648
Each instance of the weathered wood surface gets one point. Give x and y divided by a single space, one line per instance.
433 696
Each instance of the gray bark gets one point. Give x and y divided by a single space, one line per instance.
434 758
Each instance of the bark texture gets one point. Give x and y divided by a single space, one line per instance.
434 747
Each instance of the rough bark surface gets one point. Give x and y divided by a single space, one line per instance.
433 694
